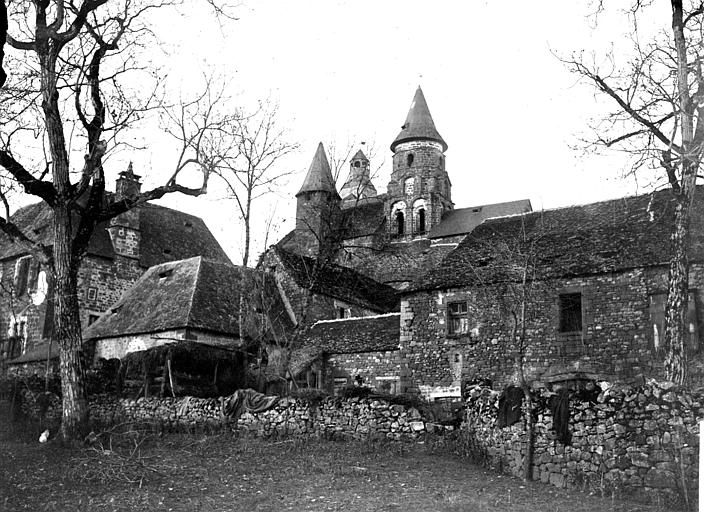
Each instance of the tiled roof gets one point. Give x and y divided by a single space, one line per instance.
170 235
364 219
339 282
601 237
464 220
193 293
419 124
319 175
354 335
166 235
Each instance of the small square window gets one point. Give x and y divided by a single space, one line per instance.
570 312
457 320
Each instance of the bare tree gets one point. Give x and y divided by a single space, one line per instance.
67 87
251 159
658 118
507 287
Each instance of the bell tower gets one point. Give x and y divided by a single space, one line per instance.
317 208
419 190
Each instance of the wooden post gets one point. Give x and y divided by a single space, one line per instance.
171 376
164 373
146 379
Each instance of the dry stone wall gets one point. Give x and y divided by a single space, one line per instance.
358 418
639 441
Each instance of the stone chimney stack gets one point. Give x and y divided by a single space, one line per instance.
124 229
127 184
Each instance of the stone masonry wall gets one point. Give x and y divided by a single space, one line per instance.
379 370
357 418
616 341
629 440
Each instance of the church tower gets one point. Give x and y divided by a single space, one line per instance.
358 188
317 207
419 190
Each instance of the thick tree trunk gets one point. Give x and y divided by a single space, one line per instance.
68 329
677 293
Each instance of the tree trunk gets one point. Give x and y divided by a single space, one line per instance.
68 329
530 436
677 293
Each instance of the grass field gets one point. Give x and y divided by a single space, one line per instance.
223 473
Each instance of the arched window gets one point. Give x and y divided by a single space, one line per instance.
409 159
421 220
400 223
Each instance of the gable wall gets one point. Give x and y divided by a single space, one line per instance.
616 341
107 279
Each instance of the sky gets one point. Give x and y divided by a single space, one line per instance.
510 111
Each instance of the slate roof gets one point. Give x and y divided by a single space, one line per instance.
194 293
464 220
339 282
595 238
166 235
365 218
355 335
319 177
419 124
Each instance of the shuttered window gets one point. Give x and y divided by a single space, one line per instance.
657 304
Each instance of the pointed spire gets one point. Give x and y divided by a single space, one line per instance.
419 124
359 155
319 177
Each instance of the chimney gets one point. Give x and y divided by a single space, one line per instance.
127 184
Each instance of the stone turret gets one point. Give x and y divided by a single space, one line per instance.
124 229
358 188
317 207
419 190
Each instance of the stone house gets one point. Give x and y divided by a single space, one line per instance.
189 308
363 351
118 254
596 285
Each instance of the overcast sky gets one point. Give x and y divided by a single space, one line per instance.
509 110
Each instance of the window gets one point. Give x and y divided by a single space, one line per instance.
21 275
357 163
457 320
343 312
570 312
409 159
399 223
92 293
421 220
409 186
657 320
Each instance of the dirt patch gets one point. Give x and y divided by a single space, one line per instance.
223 473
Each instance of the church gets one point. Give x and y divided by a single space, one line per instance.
397 236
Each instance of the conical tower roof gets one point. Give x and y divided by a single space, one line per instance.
419 124
319 177
359 155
